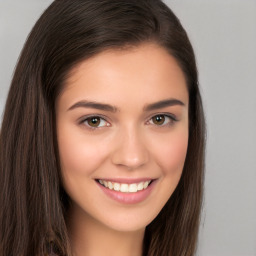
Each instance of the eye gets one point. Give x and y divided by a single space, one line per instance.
95 122
162 120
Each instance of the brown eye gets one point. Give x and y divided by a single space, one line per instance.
163 120
93 121
158 120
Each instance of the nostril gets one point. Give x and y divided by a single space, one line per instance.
125 159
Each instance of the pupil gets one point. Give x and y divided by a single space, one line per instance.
94 121
159 119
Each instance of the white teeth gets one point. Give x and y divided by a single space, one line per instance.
124 188
140 186
110 185
131 188
145 185
116 186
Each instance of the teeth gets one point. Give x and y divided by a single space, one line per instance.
105 183
140 186
133 188
116 186
110 185
125 188
145 185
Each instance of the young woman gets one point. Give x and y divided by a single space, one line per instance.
102 139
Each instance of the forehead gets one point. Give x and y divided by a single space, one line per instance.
147 72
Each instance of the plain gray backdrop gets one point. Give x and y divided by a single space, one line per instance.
223 34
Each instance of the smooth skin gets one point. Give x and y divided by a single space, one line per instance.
131 138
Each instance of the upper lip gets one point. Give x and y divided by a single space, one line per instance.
126 180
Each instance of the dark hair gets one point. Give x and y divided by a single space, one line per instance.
33 202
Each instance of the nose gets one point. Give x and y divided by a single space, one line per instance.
130 150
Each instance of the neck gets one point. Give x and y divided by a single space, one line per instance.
92 238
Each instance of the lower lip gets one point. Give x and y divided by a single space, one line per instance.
128 198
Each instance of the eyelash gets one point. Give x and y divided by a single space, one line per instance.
172 119
84 121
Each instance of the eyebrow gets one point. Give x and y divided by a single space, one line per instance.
163 104
110 108
95 105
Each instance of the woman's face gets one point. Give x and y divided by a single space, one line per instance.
122 127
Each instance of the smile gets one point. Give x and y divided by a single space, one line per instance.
125 188
126 191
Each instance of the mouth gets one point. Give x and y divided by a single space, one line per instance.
125 187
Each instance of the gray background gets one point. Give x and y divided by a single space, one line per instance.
223 34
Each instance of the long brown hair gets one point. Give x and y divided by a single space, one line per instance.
33 202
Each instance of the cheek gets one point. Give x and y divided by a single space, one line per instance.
79 155
171 154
